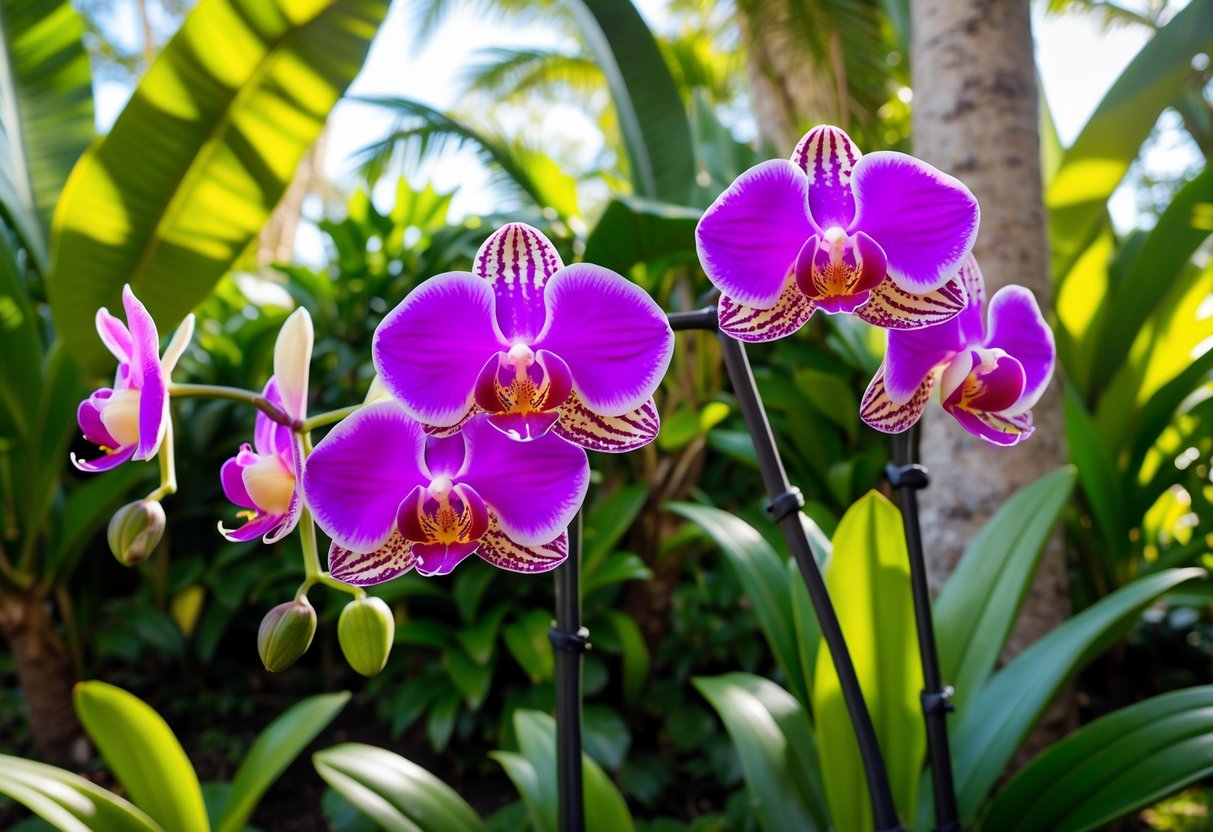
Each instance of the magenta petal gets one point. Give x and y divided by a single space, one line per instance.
231 477
608 434
106 462
517 261
253 529
444 456
115 335
523 427
614 338
533 488
925 220
912 355
430 348
828 156
270 437
749 238
391 560
879 411
996 428
1018 327
1001 386
88 416
753 325
289 521
358 474
145 343
441 558
498 549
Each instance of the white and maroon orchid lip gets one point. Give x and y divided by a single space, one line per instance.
841 223
393 498
523 336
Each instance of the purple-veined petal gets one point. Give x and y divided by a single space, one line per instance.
292 361
176 345
1018 327
497 548
911 355
607 434
390 560
430 348
891 307
356 477
614 338
105 463
449 430
441 558
828 156
256 527
517 261
88 417
533 488
293 512
444 455
408 516
523 400
997 428
231 477
994 384
115 335
748 323
972 324
749 238
524 427
925 220
879 411
837 272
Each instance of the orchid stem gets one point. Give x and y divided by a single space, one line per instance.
570 641
168 466
785 502
322 419
307 542
235 394
908 477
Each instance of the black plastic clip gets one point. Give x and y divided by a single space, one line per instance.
939 702
577 642
907 476
789 502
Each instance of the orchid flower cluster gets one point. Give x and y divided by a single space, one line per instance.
491 385
889 239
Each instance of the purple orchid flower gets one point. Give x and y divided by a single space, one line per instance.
989 378
392 497
129 420
535 344
263 479
880 236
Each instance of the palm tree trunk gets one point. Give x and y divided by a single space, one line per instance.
45 675
975 115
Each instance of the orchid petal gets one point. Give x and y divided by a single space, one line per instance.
390 560
891 307
293 513
176 345
525 427
231 477
115 335
88 417
105 463
441 558
497 548
925 220
995 383
997 428
828 156
444 456
1018 327
146 376
270 437
749 238
748 323
517 260
878 410
292 360
607 434
534 488
615 339
430 348
253 529
358 474
911 355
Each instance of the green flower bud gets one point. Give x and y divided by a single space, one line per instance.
366 631
135 530
285 634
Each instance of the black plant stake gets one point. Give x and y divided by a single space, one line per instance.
908 477
571 640
786 502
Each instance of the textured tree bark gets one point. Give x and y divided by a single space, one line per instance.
45 674
975 115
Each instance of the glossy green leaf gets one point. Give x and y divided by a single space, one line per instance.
397 794
616 569
634 230
1113 766
21 346
46 112
609 520
763 574
869 582
635 651
67 801
274 749
200 155
652 119
143 754
978 606
804 618
1099 158
1097 474
527 640
1002 713
774 738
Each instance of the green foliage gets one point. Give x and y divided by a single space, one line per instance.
67 801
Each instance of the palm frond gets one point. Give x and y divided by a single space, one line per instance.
1109 15
513 74
428 15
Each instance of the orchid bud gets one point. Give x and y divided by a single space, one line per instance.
135 530
285 634
292 357
366 631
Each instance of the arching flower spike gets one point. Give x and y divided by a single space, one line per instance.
393 498
880 236
989 377
533 343
263 479
129 420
